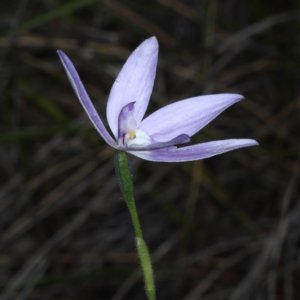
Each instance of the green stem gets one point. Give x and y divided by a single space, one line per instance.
124 178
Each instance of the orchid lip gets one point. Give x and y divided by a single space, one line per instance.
181 139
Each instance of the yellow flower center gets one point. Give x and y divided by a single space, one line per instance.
132 134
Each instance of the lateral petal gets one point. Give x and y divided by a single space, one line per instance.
186 116
84 98
195 152
134 83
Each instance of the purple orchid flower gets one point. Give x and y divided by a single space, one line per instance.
154 138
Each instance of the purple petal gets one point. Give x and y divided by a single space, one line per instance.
195 152
181 139
84 98
186 116
133 84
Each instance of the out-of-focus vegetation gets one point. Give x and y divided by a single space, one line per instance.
223 228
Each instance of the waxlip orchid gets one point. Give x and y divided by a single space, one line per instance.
154 138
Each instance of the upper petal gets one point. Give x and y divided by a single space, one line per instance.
134 83
195 152
186 116
84 98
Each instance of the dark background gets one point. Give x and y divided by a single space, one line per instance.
223 228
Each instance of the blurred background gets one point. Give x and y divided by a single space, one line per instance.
223 228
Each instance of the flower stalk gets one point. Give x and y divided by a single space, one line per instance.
125 182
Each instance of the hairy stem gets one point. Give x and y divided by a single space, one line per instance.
125 181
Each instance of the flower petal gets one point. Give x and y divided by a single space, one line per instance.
84 98
195 152
186 116
133 84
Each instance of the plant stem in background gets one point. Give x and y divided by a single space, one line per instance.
124 178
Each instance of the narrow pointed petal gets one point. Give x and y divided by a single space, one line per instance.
195 152
84 98
134 84
186 116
